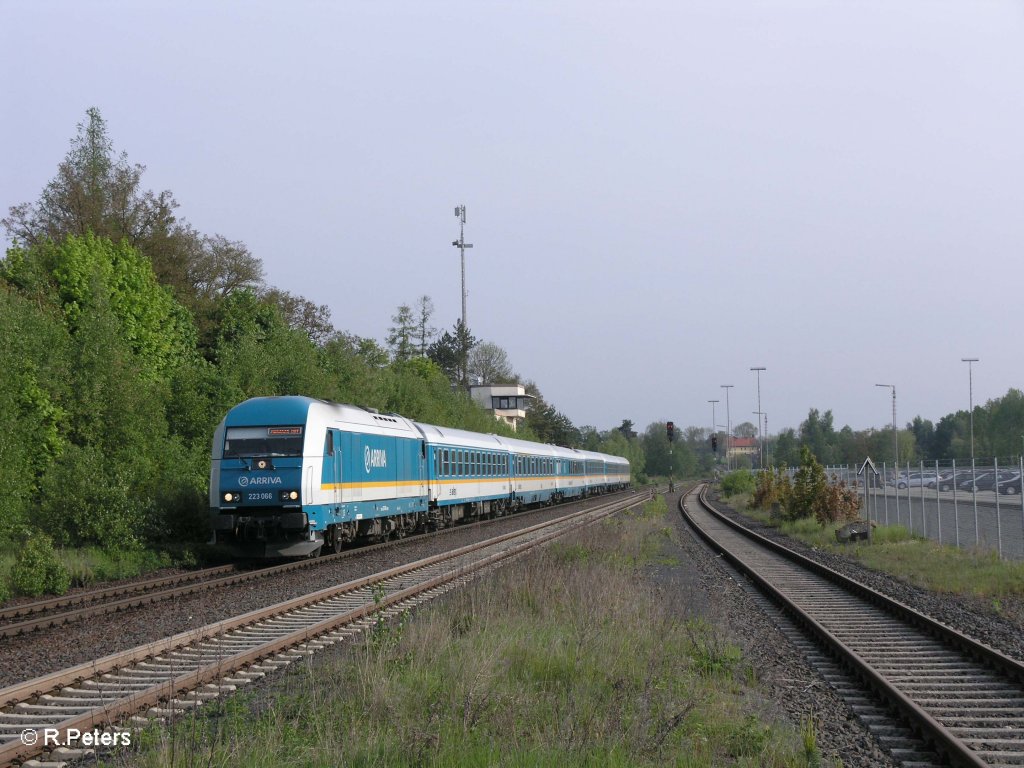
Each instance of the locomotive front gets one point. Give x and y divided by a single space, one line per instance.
256 505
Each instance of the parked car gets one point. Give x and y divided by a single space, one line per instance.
916 480
949 481
1010 484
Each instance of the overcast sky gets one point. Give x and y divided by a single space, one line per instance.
660 195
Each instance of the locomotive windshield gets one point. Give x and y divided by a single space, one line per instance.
262 441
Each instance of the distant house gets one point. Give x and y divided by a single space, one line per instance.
508 402
742 446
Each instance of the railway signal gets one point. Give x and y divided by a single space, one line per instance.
714 443
670 430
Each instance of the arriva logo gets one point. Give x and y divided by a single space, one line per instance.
245 480
374 457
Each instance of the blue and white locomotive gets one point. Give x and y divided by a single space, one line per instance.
294 476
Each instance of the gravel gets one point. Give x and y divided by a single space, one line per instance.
697 585
44 651
701 585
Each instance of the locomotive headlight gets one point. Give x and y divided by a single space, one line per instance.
288 495
229 496
293 495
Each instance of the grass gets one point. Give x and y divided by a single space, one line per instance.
916 560
88 565
565 658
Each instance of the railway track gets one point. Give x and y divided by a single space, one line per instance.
178 673
55 612
964 699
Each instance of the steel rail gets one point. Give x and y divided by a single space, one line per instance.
144 594
934 731
39 606
112 710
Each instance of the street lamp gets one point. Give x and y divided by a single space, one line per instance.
714 424
759 415
760 437
970 384
895 436
974 473
728 426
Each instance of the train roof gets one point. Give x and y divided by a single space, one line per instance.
459 437
296 409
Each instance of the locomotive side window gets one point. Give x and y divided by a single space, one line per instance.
262 441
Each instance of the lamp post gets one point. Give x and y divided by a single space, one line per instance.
760 437
970 389
895 435
714 424
761 451
728 427
974 474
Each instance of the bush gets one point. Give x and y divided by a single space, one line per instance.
37 570
740 481
837 503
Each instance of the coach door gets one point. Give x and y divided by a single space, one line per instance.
332 458
423 468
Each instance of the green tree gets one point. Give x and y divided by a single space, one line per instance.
424 331
301 314
88 271
97 191
489 364
547 424
809 485
401 335
451 353
34 389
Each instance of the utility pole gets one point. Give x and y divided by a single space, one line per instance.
462 245
714 426
728 427
760 436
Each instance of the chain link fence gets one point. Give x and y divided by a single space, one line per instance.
973 505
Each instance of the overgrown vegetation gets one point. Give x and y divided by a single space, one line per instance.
809 495
566 658
126 335
919 561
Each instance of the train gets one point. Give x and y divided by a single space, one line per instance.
294 476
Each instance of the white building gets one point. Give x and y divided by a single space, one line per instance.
508 402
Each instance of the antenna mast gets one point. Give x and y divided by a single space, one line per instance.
462 245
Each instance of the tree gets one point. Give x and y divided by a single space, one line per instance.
489 364
451 353
401 334
86 272
301 314
548 424
424 332
626 428
818 434
746 429
220 267
96 191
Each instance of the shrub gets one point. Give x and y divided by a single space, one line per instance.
37 570
740 481
836 503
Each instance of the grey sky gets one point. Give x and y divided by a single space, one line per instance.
661 195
